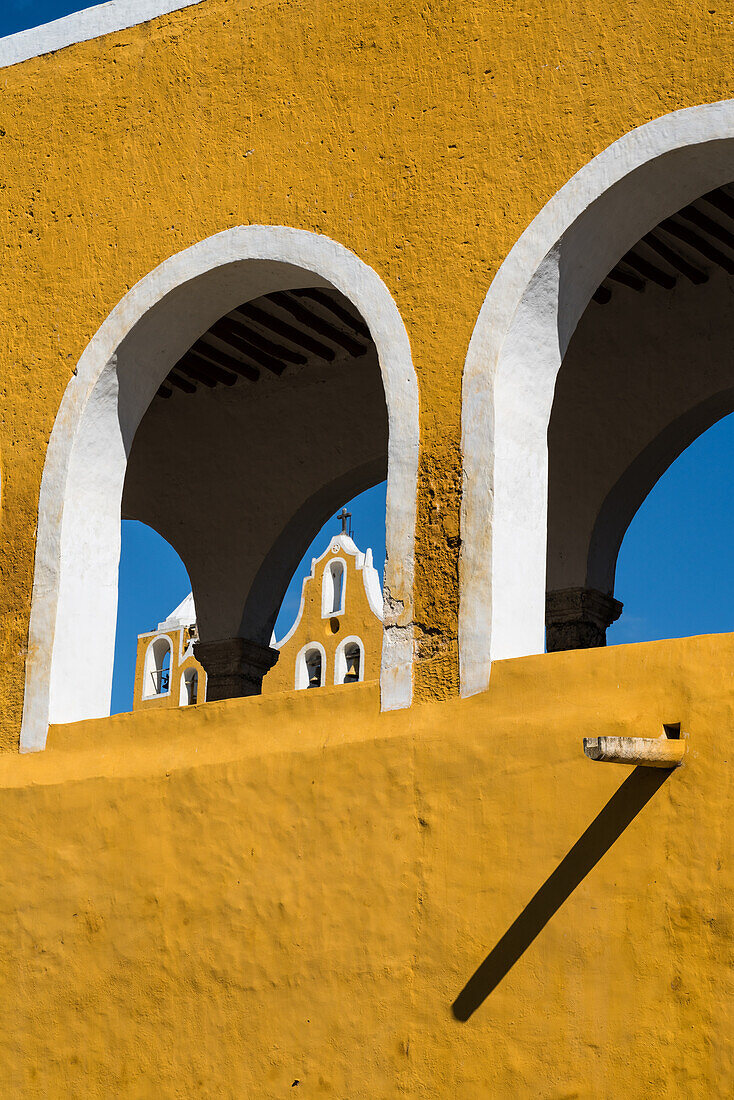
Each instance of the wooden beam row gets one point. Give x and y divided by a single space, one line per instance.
255 334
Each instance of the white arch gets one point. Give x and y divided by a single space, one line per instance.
301 671
158 649
516 349
329 590
72 625
340 661
189 677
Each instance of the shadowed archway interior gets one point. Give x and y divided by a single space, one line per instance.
648 369
272 419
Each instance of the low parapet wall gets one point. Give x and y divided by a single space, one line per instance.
298 892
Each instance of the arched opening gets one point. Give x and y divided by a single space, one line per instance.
311 667
272 329
349 663
332 599
647 370
157 672
189 688
674 565
543 291
152 581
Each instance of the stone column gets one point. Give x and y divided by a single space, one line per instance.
234 666
577 618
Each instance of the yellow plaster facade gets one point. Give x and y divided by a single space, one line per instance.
399 132
222 900
326 624
291 892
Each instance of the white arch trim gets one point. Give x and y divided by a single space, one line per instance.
517 346
152 665
301 671
327 588
340 661
84 25
72 624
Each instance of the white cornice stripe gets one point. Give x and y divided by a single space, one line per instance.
81 26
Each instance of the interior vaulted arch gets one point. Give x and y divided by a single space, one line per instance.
109 426
519 343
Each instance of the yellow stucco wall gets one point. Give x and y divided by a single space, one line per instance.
358 619
423 138
222 900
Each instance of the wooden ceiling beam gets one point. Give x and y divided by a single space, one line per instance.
217 373
283 329
221 359
648 270
721 200
602 295
675 260
626 278
180 383
277 351
707 225
324 299
164 391
229 332
699 243
198 369
317 324
185 366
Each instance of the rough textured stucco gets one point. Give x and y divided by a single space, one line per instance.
424 139
222 900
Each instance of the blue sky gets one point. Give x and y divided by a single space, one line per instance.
18 15
674 573
153 581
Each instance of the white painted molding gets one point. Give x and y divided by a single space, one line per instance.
152 664
327 586
84 25
300 682
74 603
340 663
516 349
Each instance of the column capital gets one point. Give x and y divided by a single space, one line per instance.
234 666
577 618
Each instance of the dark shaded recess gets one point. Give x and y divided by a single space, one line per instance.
622 808
231 333
317 324
258 336
222 359
286 330
692 227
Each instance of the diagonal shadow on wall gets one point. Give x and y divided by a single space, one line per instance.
619 811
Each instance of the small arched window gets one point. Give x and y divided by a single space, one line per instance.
157 670
189 689
352 661
332 596
310 665
349 663
313 668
